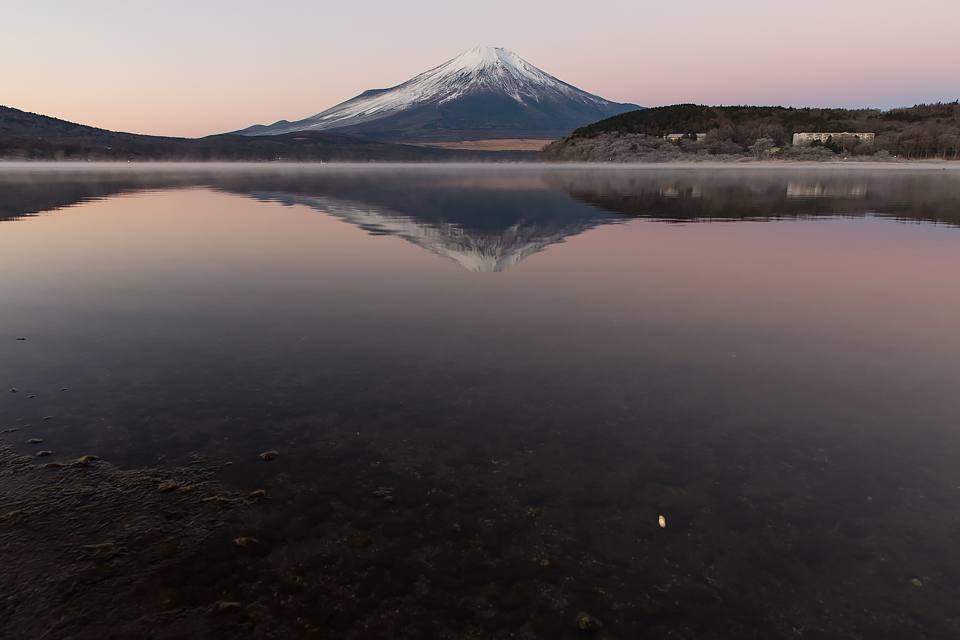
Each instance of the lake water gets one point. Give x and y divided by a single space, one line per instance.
485 386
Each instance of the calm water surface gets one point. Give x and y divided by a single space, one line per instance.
535 363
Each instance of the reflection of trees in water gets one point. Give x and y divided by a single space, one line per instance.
675 194
28 193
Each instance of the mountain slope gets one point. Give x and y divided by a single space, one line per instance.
484 93
29 136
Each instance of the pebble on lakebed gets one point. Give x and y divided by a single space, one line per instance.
268 455
245 542
385 493
43 453
586 622
34 441
85 461
259 493
225 607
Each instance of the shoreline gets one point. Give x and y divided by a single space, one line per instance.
371 165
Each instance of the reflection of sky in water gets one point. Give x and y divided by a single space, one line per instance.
812 301
787 368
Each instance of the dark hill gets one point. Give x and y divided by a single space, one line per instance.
920 131
692 118
29 136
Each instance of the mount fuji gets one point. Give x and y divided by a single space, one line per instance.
485 93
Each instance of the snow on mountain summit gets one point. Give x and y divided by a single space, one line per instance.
481 71
498 69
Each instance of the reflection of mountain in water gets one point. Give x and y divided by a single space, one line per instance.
488 218
484 218
468 228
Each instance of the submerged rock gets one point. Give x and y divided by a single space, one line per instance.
268 455
134 541
43 453
168 486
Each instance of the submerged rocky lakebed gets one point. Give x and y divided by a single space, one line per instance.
506 401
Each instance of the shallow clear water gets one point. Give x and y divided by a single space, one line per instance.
540 362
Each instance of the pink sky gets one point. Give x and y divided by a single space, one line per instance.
201 67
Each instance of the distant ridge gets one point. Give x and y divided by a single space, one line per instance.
484 93
30 136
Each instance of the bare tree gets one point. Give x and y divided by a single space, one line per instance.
761 146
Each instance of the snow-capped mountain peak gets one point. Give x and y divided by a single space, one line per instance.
496 69
482 73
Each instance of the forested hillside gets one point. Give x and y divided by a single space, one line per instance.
922 131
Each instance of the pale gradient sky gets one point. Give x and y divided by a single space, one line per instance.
198 67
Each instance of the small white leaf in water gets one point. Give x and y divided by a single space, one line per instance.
663 522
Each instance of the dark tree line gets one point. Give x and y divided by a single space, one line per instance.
921 131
